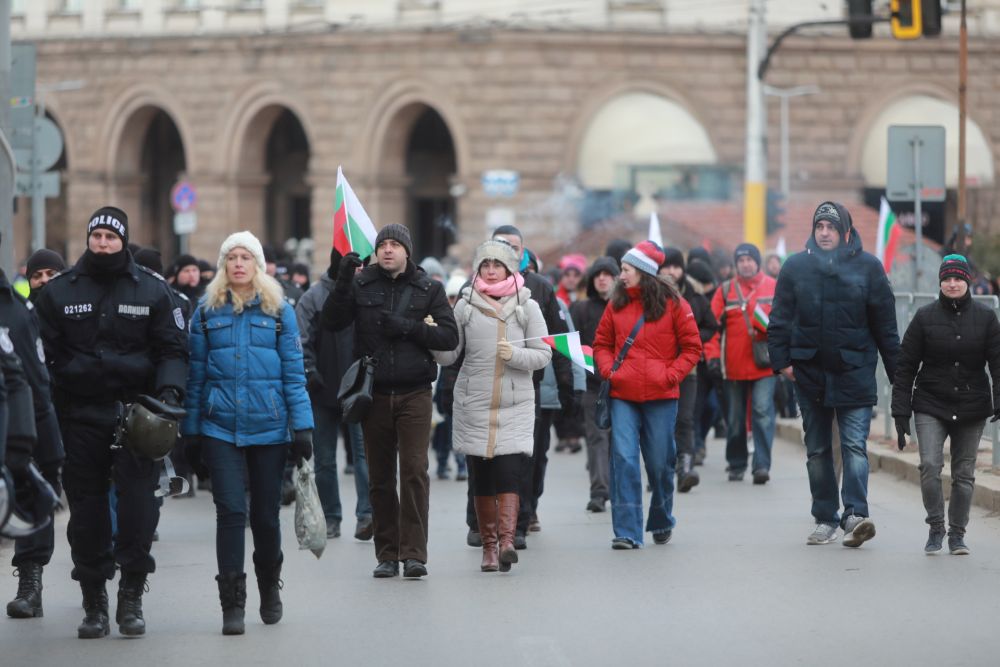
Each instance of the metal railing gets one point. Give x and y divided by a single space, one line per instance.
907 304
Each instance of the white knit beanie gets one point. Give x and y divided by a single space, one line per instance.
242 240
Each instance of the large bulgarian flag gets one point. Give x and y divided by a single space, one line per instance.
353 230
888 235
569 345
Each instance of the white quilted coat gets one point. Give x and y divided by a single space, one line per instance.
494 410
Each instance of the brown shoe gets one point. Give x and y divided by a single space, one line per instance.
486 514
509 503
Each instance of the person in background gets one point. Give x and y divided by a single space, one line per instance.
42 266
187 278
207 272
616 249
298 275
444 398
772 265
571 270
586 315
709 407
941 382
494 409
644 391
248 409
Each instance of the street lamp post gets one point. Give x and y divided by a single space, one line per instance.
785 94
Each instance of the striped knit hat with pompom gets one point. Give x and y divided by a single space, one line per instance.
646 256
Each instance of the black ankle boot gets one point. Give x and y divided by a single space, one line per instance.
95 608
269 584
129 613
233 596
687 476
28 601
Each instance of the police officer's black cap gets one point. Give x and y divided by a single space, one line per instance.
111 218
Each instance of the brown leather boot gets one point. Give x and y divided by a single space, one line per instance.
486 514
509 504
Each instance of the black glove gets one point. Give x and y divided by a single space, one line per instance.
396 326
345 274
902 430
333 270
314 383
52 475
571 401
714 367
170 396
191 446
302 447
996 415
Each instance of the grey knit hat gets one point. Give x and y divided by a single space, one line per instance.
398 233
498 250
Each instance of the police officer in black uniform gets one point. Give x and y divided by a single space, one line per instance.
32 554
111 331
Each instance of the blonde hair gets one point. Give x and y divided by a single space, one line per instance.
218 293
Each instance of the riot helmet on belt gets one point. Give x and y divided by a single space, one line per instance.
151 427
29 503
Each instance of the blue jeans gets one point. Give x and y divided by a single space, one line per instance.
235 470
646 428
761 396
854 424
325 433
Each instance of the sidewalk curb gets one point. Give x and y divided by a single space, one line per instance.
905 465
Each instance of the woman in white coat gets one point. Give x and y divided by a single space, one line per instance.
494 410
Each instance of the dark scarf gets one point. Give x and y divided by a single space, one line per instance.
99 265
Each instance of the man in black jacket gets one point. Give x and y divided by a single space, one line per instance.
112 331
833 314
586 315
399 315
673 268
32 554
327 355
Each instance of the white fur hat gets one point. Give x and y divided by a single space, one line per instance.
242 240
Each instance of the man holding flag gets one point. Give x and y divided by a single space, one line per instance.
834 313
399 316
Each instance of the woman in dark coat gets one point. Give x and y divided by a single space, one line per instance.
950 341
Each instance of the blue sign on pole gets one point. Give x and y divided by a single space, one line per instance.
183 197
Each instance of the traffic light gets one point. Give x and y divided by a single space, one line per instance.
930 16
906 18
775 211
859 9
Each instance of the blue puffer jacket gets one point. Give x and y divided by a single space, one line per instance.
246 384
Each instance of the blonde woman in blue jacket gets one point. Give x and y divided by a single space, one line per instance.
246 401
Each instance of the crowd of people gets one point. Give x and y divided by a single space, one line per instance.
115 370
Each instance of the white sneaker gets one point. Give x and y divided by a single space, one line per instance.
858 530
824 534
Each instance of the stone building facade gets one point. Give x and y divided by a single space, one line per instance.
260 123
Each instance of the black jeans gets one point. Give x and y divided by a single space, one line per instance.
90 466
235 470
36 548
684 428
533 467
501 474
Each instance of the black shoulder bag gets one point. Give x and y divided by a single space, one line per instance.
355 393
602 411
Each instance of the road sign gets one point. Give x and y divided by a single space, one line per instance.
185 223
47 149
22 95
47 184
501 182
916 159
183 197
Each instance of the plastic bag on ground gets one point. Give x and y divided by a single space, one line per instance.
310 522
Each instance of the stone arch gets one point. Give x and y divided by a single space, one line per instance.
119 113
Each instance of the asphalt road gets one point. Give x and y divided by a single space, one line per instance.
736 585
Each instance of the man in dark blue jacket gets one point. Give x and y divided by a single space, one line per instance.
834 313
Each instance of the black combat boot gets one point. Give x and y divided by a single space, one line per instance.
95 608
233 596
687 476
28 601
269 583
131 586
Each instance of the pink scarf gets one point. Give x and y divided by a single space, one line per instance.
505 287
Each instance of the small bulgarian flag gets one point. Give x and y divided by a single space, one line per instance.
353 230
760 318
569 345
889 232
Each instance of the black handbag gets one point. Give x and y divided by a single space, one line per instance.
358 383
602 410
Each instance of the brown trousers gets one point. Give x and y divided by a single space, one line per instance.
399 424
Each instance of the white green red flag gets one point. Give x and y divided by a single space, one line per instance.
889 232
353 230
760 318
569 345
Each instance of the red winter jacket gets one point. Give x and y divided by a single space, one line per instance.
758 290
663 354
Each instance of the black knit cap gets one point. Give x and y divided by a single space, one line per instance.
112 218
955 266
747 250
834 213
150 258
44 259
673 257
183 261
398 233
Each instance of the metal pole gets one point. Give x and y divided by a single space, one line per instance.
6 154
37 197
963 77
918 222
785 188
755 166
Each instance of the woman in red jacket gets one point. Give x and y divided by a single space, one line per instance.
644 391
